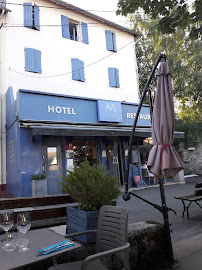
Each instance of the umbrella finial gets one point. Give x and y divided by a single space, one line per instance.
163 56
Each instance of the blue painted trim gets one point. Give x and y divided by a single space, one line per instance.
10 89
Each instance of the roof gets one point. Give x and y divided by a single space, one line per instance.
92 16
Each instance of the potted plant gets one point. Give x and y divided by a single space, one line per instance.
92 187
39 184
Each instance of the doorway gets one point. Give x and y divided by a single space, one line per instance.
52 165
114 159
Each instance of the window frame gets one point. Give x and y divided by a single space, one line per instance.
81 29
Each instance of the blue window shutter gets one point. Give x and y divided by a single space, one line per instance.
65 26
37 58
75 69
28 20
81 71
84 32
117 77
29 59
112 77
114 42
36 17
109 41
32 60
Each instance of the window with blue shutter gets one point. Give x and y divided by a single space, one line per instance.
84 32
113 77
78 70
32 60
31 16
110 41
74 30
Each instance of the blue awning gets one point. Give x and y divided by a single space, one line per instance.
88 130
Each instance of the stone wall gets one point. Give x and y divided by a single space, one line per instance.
192 159
147 250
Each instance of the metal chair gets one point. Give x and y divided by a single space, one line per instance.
147 174
111 239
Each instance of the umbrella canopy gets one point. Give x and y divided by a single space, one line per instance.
163 160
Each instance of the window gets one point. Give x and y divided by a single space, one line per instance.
74 30
78 70
85 150
110 41
32 60
31 16
113 77
52 155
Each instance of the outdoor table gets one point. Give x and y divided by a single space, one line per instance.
38 239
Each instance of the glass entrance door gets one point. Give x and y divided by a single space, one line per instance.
52 163
113 158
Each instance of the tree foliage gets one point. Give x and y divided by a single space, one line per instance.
185 62
169 13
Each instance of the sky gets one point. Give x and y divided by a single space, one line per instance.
103 5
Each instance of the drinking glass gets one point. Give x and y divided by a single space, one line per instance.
23 222
6 222
10 241
22 241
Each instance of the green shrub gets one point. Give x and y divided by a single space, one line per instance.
91 186
38 176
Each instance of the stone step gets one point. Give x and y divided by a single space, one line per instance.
42 216
9 203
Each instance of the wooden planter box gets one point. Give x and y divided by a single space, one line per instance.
79 220
39 188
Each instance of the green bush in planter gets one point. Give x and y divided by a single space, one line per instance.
91 186
39 176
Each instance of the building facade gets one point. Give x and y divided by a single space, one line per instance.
69 93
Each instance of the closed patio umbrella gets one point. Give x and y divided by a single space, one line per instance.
163 160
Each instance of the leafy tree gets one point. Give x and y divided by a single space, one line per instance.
185 63
170 14
190 121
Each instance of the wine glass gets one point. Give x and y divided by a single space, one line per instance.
23 225
22 241
10 241
6 222
23 222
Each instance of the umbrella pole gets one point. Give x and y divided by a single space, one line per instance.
146 89
167 226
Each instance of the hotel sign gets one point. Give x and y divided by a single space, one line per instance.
109 111
38 106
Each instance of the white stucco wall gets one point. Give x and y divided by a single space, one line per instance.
57 53
56 59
